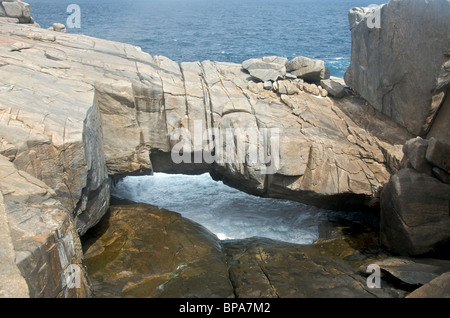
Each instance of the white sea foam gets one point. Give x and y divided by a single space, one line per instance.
227 212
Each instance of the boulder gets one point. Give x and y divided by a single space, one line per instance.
141 251
333 88
438 154
311 88
268 85
287 87
59 27
411 272
392 69
437 288
415 151
16 9
309 69
13 9
269 68
415 214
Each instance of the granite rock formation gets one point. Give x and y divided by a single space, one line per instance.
415 203
118 108
309 69
401 60
138 250
91 111
15 11
40 243
402 69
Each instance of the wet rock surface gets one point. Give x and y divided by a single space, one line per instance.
139 250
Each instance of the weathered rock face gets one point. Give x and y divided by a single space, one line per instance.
308 69
120 106
408 81
415 214
415 204
142 251
402 67
91 109
437 288
268 68
40 244
15 11
49 131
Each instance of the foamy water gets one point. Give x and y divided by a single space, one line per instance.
227 212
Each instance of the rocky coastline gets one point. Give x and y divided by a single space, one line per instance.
78 113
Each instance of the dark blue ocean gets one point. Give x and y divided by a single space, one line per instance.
229 31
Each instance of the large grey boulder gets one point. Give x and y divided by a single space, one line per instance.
309 69
13 9
415 151
16 9
415 214
438 154
333 88
268 68
400 63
